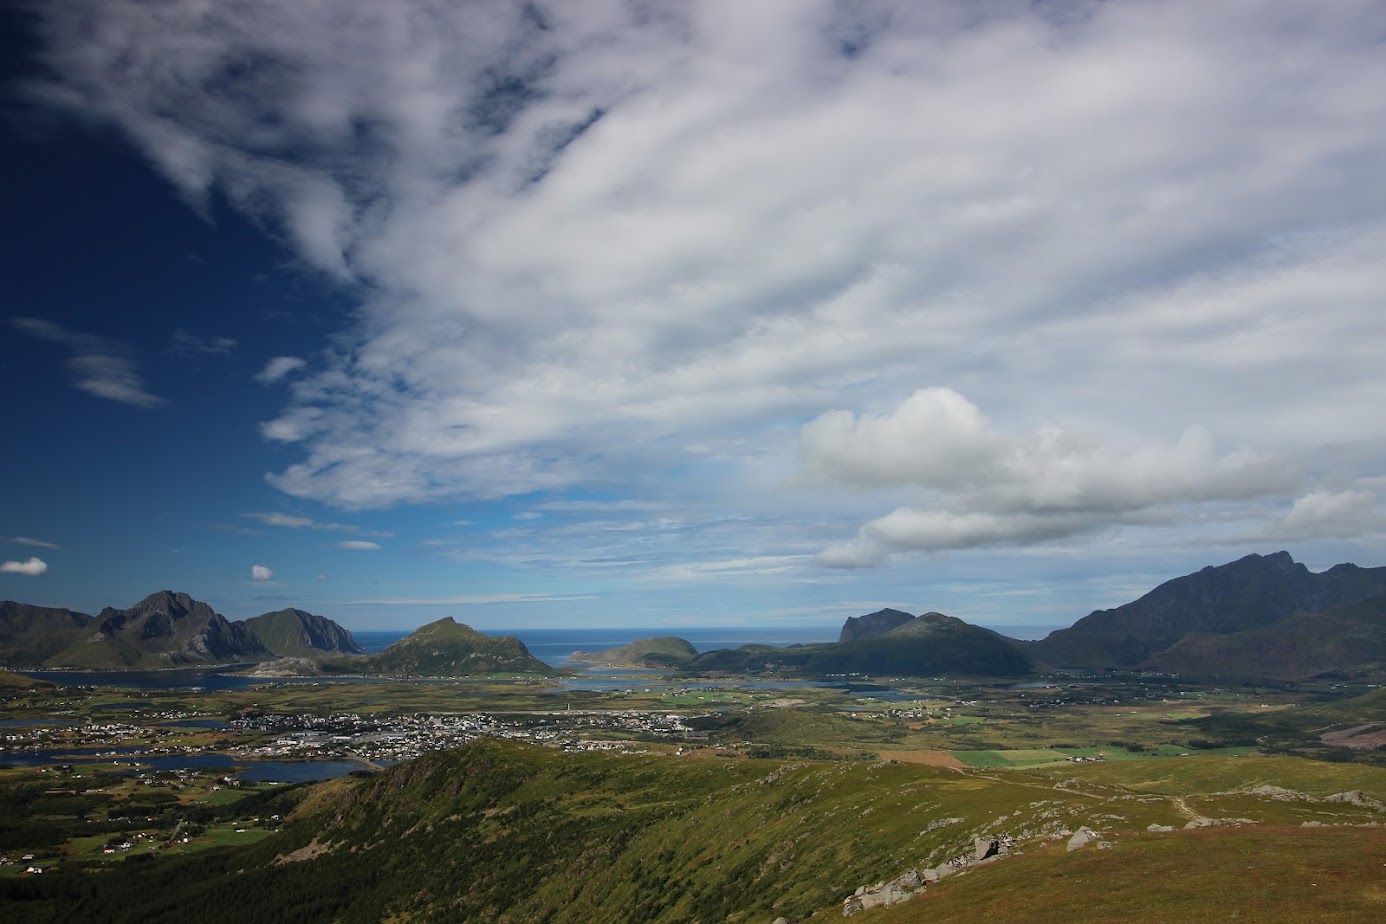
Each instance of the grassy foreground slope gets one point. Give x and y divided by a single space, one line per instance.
500 831
1265 875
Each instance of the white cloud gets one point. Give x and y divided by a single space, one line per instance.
358 545
1327 513
99 366
279 368
633 249
282 519
260 573
984 487
33 567
939 440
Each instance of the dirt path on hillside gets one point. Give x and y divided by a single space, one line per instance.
1188 812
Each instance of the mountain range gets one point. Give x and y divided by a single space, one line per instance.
165 629
1261 616
169 629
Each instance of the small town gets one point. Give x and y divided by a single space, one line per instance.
373 739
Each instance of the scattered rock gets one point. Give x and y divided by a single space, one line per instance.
941 823
1281 793
1082 838
1158 828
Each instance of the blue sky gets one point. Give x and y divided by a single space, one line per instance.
641 314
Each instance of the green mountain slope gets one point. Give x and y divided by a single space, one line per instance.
292 633
928 644
1252 592
499 831
447 648
1347 641
919 646
165 629
30 635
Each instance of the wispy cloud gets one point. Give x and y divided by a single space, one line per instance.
463 600
279 368
187 344
291 521
260 573
35 543
99 366
32 567
356 545
237 530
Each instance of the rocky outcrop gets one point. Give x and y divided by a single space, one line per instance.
1357 797
986 848
884 894
871 625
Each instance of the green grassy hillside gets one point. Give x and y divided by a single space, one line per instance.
499 831
447 648
923 646
292 633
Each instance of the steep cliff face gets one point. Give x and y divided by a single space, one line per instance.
292 633
165 629
871 625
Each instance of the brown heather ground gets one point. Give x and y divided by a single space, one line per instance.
1261 875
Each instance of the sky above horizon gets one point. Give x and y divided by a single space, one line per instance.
639 313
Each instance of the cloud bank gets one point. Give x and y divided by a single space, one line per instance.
990 488
623 246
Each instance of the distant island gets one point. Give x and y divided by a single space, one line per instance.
661 651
